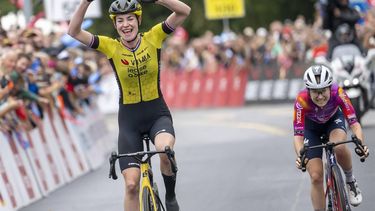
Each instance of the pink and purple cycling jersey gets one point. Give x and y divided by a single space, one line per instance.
304 107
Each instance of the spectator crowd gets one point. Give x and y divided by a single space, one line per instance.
38 73
281 45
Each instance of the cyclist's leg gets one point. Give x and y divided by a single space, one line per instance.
131 174
129 141
162 133
315 169
344 158
343 154
131 178
337 133
315 165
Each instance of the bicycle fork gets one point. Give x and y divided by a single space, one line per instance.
147 184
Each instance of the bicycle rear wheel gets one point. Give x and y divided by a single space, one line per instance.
339 202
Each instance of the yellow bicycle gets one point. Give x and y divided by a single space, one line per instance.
149 199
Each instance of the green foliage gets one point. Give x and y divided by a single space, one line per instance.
6 7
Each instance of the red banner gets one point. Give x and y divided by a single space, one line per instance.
194 91
224 87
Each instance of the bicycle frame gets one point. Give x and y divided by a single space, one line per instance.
144 158
331 163
146 183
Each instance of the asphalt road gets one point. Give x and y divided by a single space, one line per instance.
229 159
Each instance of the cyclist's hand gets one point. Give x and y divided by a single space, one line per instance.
299 163
364 152
146 1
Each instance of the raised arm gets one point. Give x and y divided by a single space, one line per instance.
180 11
74 29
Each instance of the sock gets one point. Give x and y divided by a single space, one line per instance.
349 176
170 184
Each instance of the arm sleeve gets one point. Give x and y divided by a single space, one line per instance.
346 107
299 118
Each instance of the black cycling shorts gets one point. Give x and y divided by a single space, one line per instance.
314 130
135 120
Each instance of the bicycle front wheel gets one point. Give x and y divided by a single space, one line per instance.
148 203
146 199
339 202
157 198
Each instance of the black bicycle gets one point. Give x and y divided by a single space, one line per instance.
148 194
335 187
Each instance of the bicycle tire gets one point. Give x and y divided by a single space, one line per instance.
329 191
340 202
157 198
146 200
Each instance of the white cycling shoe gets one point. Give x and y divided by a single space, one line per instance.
354 193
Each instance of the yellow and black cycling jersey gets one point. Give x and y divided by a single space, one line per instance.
137 71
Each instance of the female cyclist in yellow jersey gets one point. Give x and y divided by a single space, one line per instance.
135 59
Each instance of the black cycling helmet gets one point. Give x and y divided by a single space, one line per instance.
123 7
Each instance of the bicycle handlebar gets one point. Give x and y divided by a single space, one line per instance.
112 169
303 157
139 155
171 158
359 149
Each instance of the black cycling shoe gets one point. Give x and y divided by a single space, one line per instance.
172 204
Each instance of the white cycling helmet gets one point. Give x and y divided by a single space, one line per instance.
125 6
318 77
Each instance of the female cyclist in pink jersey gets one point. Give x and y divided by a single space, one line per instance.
320 109
135 59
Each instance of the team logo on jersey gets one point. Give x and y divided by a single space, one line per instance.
124 62
142 59
299 113
337 121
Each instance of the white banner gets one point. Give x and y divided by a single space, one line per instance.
62 10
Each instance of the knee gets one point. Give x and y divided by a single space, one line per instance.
132 187
316 178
